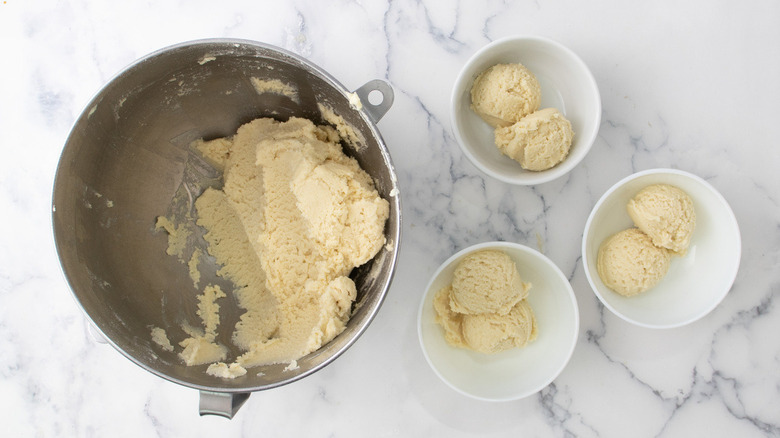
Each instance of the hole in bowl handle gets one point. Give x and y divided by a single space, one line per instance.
375 112
221 403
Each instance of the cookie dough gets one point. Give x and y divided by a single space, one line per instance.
201 347
449 320
505 93
493 332
486 282
629 263
160 337
275 86
225 371
666 214
485 308
538 141
177 236
294 217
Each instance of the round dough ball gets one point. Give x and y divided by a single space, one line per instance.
486 281
665 213
629 263
504 94
492 332
538 141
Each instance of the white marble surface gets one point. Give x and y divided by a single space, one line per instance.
689 85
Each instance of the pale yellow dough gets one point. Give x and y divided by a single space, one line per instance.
450 321
505 93
635 260
221 369
275 86
507 97
629 263
160 337
177 235
486 282
493 332
294 218
666 214
201 347
539 141
496 315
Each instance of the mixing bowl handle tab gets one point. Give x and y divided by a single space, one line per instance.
375 112
221 403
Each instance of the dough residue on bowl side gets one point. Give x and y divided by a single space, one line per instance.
275 86
160 337
352 137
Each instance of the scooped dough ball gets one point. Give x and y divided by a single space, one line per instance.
504 94
666 214
629 263
538 141
486 281
492 332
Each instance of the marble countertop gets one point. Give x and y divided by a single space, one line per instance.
687 85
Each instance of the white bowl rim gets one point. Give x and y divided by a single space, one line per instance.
532 252
543 176
730 217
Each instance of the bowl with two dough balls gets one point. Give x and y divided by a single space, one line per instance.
566 84
517 372
697 281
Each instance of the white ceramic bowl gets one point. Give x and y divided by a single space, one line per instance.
697 282
516 373
567 84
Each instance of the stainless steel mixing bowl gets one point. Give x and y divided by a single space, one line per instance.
127 160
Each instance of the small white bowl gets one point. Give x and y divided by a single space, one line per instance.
516 373
567 84
697 282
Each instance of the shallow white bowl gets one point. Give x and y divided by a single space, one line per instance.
697 282
567 84
516 373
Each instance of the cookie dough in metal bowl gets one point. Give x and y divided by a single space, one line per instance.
128 160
